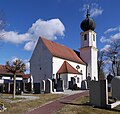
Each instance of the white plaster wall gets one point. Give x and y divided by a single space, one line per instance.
64 77
67 78
57 62
84 43
8 78
76 76
89 41
89 55
41 63
94 64
85 55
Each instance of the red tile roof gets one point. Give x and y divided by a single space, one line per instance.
61 51
67 68
26 76
4 71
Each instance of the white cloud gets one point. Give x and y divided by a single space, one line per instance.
115 36
26 62
95 9
49 29
111 30
15 37
29 45
104 40
106 48
110 38
14 59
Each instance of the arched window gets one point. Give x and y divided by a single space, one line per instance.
85 37
93 37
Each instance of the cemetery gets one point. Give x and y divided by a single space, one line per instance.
62 80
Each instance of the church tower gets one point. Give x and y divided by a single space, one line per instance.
88 50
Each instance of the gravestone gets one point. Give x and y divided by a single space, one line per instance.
84 85
60 86
43 86
48 86
1 88
37 88
99 93
115 87
11 88
72 83
6 87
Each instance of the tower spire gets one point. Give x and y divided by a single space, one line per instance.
88 11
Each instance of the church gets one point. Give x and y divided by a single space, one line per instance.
54 61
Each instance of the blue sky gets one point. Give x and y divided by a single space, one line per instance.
28 19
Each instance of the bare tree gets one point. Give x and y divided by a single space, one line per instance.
101 63
2 25
113 55
15 67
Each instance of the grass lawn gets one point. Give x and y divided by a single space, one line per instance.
23 106
80 106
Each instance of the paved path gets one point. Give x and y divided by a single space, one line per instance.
54 106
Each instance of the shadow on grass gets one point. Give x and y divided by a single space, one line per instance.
88 104
76 104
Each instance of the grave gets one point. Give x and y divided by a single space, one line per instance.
42 86
60 85
36 88
84 85
99 93
48 86
115 87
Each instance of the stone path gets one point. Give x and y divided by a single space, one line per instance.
54 106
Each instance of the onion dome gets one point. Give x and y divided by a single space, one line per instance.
88 23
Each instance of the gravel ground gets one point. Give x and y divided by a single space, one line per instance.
28 97
69 92
24 97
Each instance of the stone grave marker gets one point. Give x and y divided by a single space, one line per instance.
60 86
84 85
48 86
116 87
43 86
99 93
37 88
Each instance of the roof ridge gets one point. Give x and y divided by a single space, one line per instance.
62 51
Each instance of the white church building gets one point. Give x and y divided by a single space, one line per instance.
51 60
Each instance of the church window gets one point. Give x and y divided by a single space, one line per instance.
78 80
77 67
95 78
85 37
93 37
81 71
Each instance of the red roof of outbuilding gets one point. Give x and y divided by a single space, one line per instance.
26 76
61 51
67 68
4 71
